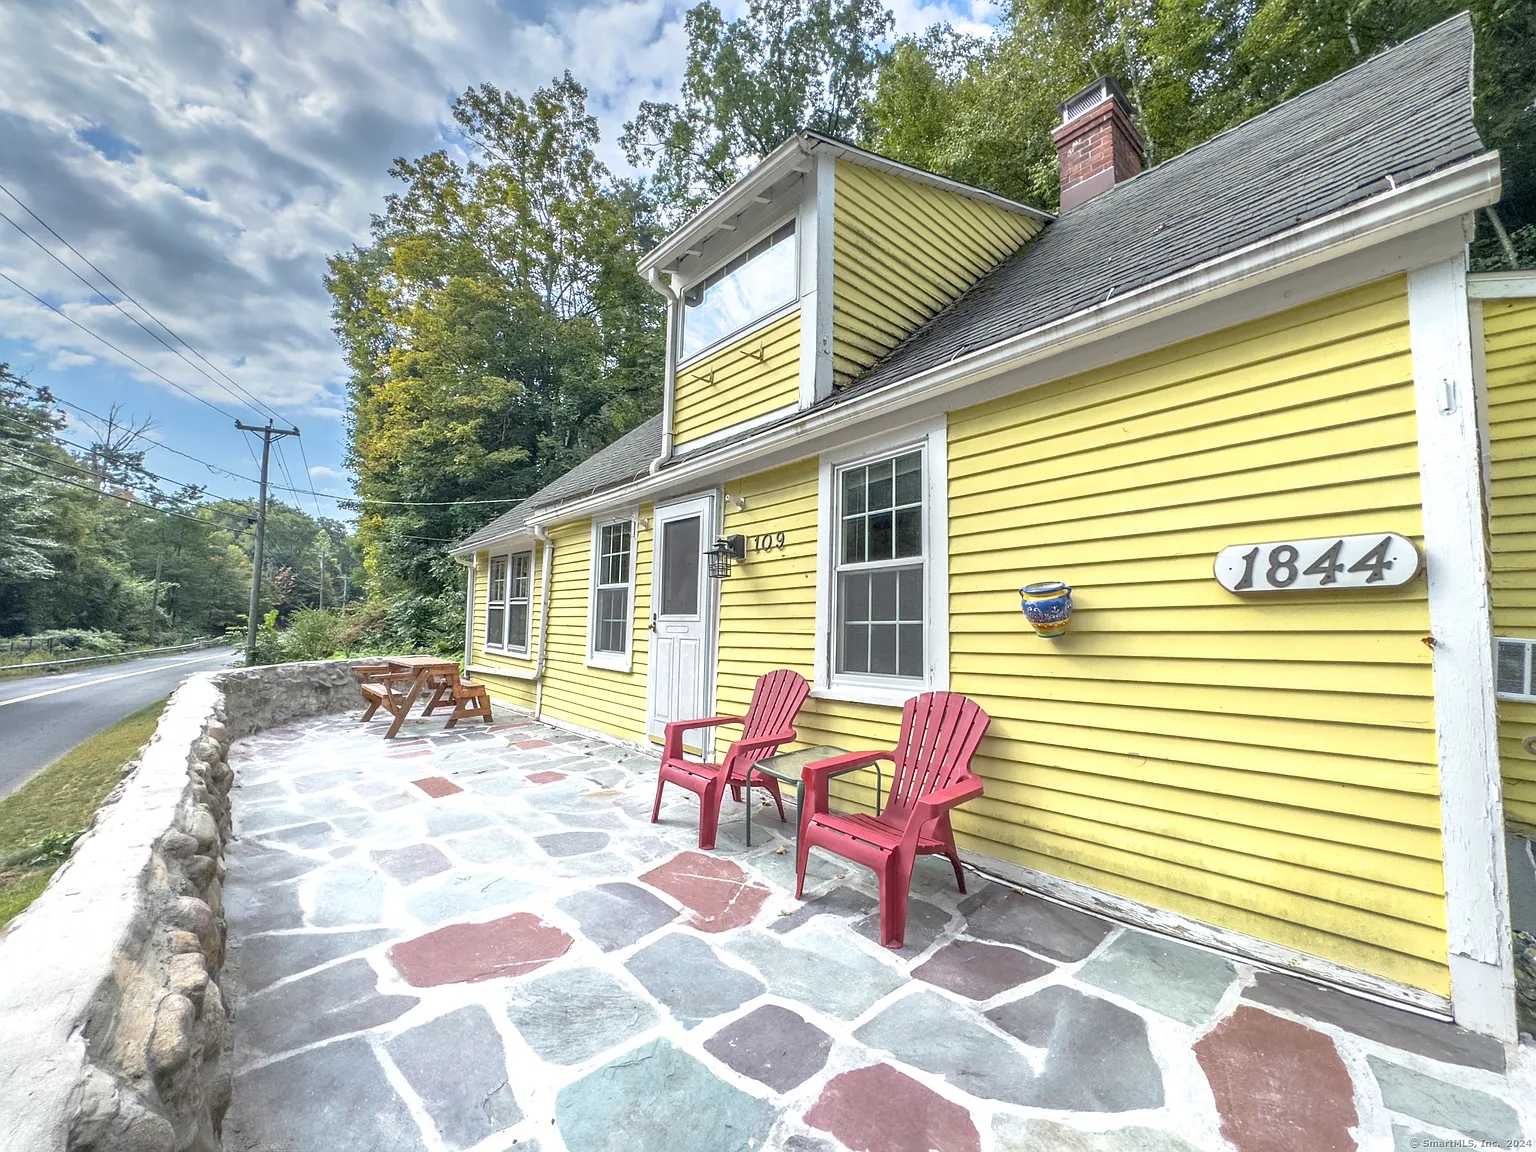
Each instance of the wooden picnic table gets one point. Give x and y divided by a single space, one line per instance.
384 686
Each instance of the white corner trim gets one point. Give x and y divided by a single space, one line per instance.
826 215
1501 285
1460 614
933 435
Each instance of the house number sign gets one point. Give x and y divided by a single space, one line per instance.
768 542
1381 560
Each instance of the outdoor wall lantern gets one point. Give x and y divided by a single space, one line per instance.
1047 606
726 549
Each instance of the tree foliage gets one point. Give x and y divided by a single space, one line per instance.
752 82
497 333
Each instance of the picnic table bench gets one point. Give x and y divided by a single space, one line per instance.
397 683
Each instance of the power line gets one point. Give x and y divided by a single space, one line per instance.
145 471
250 398
115 348
310 479
114 495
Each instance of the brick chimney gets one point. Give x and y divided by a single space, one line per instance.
1097 143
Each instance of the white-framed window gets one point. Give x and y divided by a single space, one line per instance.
758 281
882 593
1516 678
496 604
612 594
508 592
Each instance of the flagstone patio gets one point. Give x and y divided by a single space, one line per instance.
477 940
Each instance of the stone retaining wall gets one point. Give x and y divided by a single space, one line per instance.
112 1022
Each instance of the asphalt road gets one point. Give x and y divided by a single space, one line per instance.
43 717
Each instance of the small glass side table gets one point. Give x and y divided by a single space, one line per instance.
787 767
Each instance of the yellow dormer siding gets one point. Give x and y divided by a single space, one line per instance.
901 251
747 379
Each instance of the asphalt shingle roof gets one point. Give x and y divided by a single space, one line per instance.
1405 113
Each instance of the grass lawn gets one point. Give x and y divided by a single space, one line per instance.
38 818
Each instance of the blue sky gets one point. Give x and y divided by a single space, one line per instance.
209 157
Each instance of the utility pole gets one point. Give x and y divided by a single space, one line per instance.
267 434
322 577
344 597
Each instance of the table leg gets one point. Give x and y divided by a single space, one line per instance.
747 794
799 816
410 701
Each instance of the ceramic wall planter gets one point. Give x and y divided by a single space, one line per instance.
1047 606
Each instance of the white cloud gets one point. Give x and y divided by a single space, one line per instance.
211 156
321 472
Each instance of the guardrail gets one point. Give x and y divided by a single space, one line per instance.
44 665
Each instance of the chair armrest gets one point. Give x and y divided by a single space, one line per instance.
672 749
760 746
816 775
942 800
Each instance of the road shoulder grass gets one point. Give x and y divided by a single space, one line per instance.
39 820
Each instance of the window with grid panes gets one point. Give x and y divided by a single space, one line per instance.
496 604
518 593
610 598
879 569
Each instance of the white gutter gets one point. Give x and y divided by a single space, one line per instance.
674 300
1406 208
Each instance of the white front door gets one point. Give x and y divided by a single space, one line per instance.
682 615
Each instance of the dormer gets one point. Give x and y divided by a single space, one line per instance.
808 270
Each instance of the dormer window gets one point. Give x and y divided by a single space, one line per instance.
754 284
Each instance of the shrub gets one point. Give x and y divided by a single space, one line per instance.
314 634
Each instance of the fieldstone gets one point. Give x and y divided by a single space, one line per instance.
1097 1057
348 894
1278 1085
416 862
264 960
1008 917
981 971
178 940
568 1017
337 1094
1391 1026
718 893
1472 1113
689 978
820 968
658 1097
470 894
1017 1134
932 1032
616 915
170 1041
879 1109
201 870
468 1095
1180 982
772 1045
326 1003
572 843
186 973
178 845
469 953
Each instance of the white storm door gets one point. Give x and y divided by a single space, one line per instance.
682 656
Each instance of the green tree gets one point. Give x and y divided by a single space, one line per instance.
752 82
27 425
497 333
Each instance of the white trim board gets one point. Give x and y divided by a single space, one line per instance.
1461 623
1501 285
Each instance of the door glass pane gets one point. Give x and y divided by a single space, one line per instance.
681 554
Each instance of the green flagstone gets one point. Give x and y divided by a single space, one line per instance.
1177 981
348 894
820 968
658 1098
568 1017
1464 1110
1017 1134
686 975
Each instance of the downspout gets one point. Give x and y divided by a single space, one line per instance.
469 612
538 669
674 300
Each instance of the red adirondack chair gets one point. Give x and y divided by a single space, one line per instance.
767 725
931 775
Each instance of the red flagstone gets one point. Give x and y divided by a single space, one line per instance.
468 953
715 890
530 744
546 777
437 786
408 755
1279 1085
878 1109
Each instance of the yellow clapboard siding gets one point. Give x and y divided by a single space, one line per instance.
754 375
518 693
901 251
1509 358
600 698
